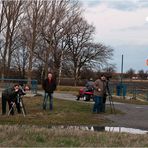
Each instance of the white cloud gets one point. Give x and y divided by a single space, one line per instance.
146 18
124 5
108 21
121 29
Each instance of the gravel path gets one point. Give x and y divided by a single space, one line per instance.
136 116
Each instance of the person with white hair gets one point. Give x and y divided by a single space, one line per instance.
49 86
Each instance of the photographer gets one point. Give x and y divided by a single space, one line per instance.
12 96
99 94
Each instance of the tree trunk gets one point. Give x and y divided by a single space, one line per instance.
30 68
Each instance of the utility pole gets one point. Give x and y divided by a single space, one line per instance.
121 69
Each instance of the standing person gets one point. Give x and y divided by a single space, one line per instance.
49 86
99 91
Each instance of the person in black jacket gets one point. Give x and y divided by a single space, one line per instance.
49 86
10 95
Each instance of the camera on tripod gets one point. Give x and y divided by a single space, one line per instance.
18 102
21 91
108 77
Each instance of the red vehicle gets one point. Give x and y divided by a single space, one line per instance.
85 94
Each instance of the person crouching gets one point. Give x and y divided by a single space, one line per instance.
10 95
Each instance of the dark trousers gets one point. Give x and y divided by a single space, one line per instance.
104 103
4 101
45 102
97 108
103 108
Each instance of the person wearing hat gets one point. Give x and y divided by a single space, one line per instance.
99 91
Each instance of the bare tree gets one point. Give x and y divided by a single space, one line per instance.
20 61
51 34
82 50
2 26
109 68
12 11
60 20
130 73
142 74
31 30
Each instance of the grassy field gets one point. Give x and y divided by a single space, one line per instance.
33 130
64 113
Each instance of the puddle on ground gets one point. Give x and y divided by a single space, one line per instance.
103 128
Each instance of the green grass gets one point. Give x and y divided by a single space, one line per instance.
65 88
69 88
64 113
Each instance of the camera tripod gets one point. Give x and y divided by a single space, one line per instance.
21 106
110 98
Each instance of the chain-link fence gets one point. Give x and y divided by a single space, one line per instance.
130 89
6 83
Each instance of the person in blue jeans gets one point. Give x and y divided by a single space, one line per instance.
49 86
99 91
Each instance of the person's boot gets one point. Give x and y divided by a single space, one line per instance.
44 107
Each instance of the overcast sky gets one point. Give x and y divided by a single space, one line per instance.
123 25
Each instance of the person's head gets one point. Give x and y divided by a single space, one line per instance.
16 87
103 77
49 75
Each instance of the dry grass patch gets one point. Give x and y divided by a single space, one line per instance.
20 136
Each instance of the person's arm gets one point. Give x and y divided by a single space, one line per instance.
96 85
13 94
43 84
